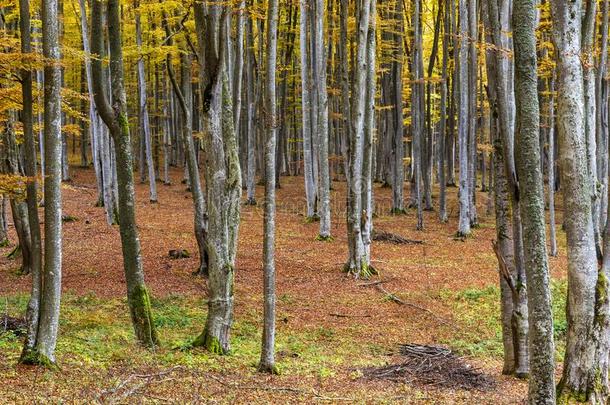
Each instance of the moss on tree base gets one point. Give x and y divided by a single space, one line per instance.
328 238
312 219
210 343
32 357
268 368
141 315
366 271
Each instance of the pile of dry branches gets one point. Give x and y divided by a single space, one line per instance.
432 366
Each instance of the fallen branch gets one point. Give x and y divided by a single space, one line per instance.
394 298
350 316
383 236
312 392
122 390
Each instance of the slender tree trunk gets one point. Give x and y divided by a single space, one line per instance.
531 201
601 124
32 314
417 120
48 320
115 117
267 361
143 111
322 119
442 199
251 109
306 85
398 171
463 121
357 261
551 169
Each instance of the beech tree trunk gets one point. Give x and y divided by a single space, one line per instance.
463 121
531 201
143 112
308 139
322 118
267 361
358 263
43 351
115 117
222 175
585 371
32 313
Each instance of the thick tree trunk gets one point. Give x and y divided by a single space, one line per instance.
585 372
222 175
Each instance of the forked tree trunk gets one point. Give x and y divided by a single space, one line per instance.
505 177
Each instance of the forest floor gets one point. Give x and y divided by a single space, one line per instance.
330 326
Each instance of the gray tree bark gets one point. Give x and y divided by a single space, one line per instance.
48 322
322 119
267 361
463 121
531 201
222 175
308 139
585 372
32 313
115 117
143 111
358 263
